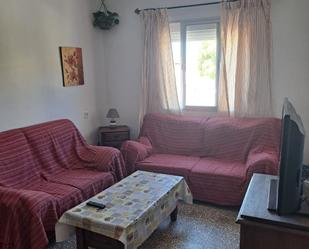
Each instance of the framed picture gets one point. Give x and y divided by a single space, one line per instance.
72 66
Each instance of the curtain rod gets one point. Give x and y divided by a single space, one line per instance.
138 11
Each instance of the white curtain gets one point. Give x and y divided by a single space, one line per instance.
159 92
245 73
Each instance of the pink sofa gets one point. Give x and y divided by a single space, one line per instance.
217 156
46 169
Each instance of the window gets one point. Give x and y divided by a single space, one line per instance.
196 57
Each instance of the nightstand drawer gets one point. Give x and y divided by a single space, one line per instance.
115 136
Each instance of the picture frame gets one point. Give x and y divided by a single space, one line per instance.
72 66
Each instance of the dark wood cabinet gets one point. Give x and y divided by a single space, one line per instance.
264 229
113 136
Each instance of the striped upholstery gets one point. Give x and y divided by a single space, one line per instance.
88 182
218 181
234 138
172 134
216 155
166 163
46 169
64 195
14 148
135 151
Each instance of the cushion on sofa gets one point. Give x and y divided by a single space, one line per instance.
217 181
65 196
89 182
168 164
171 134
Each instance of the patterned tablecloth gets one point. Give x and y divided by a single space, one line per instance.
135 207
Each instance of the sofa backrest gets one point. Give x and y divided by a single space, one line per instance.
173 134
227 138
235 138
55 146
30 154
17 167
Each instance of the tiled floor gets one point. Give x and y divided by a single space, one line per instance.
199 226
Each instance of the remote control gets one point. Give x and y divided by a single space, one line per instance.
95 204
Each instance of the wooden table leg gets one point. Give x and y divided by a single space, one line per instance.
174 214
80 239
86 239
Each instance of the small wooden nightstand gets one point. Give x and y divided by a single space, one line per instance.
113 136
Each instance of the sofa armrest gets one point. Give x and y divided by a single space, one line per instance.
106 159
264 163
135 151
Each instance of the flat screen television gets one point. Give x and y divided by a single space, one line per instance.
286 193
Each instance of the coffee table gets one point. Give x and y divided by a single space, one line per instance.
135 207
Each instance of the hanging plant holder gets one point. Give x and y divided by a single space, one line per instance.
105 19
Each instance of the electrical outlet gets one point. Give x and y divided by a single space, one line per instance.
86 115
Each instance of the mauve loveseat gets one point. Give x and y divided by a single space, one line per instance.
46 169
216 155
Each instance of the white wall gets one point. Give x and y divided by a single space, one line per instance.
30 73
291 58
31 88
124 46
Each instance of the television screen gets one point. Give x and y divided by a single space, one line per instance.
291 161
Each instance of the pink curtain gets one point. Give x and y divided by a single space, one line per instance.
159 92
245 73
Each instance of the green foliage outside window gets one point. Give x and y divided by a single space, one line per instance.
207 60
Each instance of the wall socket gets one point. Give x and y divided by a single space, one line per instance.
86 115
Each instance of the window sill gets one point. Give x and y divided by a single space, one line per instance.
212 109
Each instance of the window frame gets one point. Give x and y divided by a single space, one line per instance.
183 44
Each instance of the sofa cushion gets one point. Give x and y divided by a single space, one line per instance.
217 181
168 164
172 134
65 196
89 182
16 162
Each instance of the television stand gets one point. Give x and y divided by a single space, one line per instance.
261 228
273 195
304 209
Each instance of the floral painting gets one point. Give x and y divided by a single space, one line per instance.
72 66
